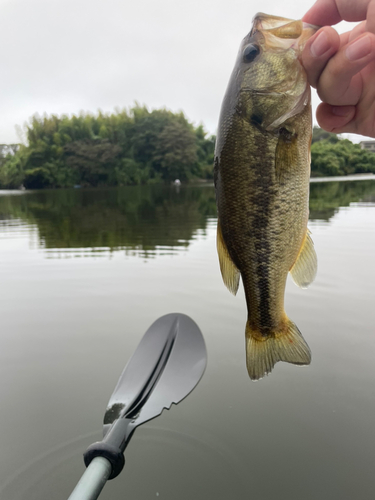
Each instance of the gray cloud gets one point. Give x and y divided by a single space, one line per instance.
71 56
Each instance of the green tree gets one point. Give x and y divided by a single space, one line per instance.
165 142
205 152
12 169
320 134
175 154
135 146
94 161
340 158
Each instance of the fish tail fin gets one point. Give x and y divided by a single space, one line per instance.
262 353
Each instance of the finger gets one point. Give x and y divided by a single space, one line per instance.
340 82
349 36
328 12
336 119
370 23
323 13
317 52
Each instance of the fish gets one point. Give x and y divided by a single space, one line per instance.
261 176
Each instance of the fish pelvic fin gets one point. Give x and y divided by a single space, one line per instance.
262 353
229 271
305 267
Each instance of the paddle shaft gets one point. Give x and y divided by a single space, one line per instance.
104 460
93 480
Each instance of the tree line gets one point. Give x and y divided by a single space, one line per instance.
333 156
139 146
128 147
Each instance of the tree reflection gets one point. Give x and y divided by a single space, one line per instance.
143 218
327 197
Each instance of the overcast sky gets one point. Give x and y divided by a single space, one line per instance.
67 56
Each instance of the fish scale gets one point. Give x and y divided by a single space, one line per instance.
261 173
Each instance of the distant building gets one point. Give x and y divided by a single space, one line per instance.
369 145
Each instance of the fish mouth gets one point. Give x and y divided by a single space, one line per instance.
280 32
282 26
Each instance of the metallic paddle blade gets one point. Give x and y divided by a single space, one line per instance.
170 357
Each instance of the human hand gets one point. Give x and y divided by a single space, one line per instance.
342 67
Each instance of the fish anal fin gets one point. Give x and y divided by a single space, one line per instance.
229 271
305 267
287 345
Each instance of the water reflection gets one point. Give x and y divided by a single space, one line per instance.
134 219
145 221
327 197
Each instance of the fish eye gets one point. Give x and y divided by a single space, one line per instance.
250 52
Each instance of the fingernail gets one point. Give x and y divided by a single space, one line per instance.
358 49
341 110
320 45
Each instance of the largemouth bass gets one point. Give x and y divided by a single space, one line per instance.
261 172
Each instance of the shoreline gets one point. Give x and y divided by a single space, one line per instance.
354 177
204 182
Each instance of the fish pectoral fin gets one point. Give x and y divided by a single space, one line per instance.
229 271
305 267
285 153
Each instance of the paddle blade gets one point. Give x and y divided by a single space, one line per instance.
166 366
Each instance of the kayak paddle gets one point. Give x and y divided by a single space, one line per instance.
166 366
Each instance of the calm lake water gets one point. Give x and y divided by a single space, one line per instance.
84 273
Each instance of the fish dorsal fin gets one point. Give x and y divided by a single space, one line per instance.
304 269
229 271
